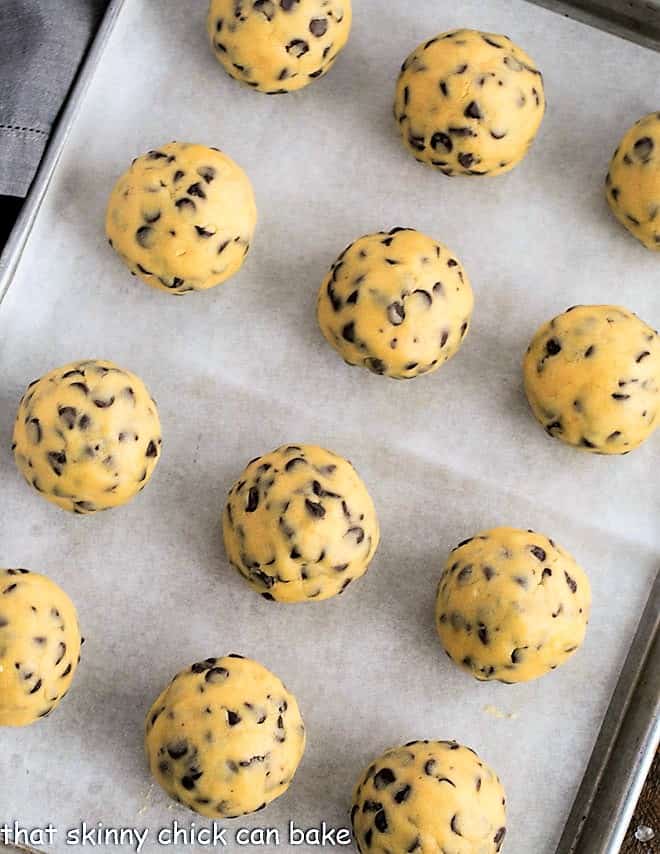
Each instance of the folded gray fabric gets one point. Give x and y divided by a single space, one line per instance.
41 45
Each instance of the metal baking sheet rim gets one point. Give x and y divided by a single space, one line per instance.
630 733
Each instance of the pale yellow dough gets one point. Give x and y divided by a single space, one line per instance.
511 605
277 46
592 377
299 524
469 103
87 436
39 646
429 797
182 218
633 181
225 737
397 303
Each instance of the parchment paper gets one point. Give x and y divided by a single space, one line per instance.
243 368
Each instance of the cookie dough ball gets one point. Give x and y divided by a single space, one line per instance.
299 524
277 46
469 103
182 218
427 797
633 181
87 436
39 646
225 737
397 303
511 605
592 377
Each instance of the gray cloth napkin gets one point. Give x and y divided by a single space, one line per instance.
41 45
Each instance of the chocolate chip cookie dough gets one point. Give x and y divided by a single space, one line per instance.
592 377
469 103
427 797
397 303
87 436
633 181
511 605
299 524
225 737
182 217
276 46
39 646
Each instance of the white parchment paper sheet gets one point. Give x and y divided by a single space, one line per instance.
243 368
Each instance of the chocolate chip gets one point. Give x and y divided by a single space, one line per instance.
233 718
297 48
253 500
335 301
203 232
104 403
516 656
216 674
357 532
177 749
464 574
185 204
144 236
441 140
466 160
384 778
462 131
403 794
152 450
314 509
472 111
34 431
483 635
499 836
207 173
348 332
380 821
572 583
643 148
318 27
396 313
538 553
287 5
196 190
56 459
376 366
552 347
429 767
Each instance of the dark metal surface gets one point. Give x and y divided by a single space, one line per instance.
13 250
625 748
629 737
636 20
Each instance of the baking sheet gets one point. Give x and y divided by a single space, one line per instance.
243 368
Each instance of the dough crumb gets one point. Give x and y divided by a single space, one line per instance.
494 712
